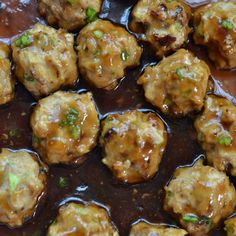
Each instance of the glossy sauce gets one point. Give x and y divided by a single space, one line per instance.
92 181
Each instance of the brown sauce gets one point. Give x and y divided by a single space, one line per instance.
92 181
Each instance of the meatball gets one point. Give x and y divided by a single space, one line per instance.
178 84
147 229
82 219
215 27
6 82
105 51
45 59
230 226
65 127
200 196
163 23
22 183
69 14
216 129
133 144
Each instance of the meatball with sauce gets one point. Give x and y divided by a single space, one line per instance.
216 129
82 219
178 84
45 59
230 226
105 51
6 82
147 229
22 183
133 144
200 196
65 127
69 14
215 27
163 23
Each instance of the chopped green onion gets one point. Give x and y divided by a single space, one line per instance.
14 133
63 182
23 41
190 219
36 140
13 181
82 211
98 33
227 24
180 72
207 221
224 139
70 118
169 1
75 132
28 78
72 1
91 14
178 26
124 55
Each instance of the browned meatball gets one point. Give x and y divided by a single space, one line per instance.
6 82
200 196
216 129
45 59
177 85
77 219
105 51
147 229
69 14
65 127
133 143
215 27
163 23
22 182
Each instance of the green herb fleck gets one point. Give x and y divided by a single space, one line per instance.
91 14
178 26
224 139
98 33
14 133
227 24
62 182
75 132
23 41
28 77
70 118
124 55
36 140
207 221
190 219
82 210
72 1
180 72
169 1
13 181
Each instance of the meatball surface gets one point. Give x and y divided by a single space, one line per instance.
22 182
148 229
45 59
80 219
216 129
178 84
6 82
215 27
65 127
230 226
105 51
200 196
163 23
133 144
69 14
